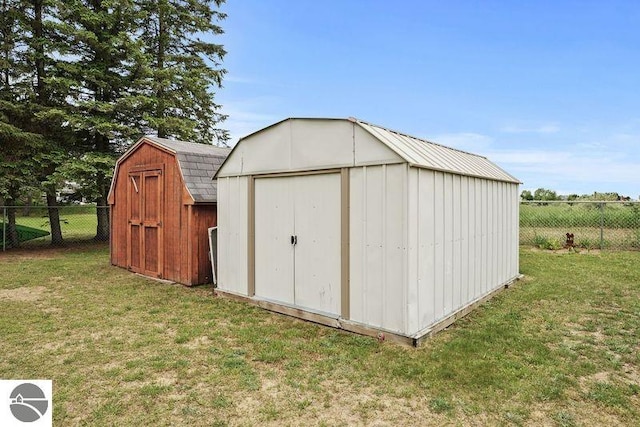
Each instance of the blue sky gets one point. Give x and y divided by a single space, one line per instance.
549 90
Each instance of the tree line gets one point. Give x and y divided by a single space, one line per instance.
544 194
81 79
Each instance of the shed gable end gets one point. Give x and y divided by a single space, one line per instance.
306 144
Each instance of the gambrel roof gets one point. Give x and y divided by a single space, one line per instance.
198 164
327 143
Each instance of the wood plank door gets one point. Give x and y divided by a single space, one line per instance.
145 253
297 241
134 229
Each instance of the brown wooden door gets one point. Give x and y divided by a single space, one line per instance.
145 222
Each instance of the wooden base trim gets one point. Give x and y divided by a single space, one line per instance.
420 337
382 334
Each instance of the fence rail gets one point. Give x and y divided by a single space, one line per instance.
545 224
30 227
593 224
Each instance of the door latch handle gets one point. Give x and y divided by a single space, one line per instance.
294 240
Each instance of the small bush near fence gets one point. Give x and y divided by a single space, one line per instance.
78 223
603 225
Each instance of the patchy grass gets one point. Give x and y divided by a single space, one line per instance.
559 348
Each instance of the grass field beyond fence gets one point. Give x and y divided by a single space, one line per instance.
603 225
558 348
78 223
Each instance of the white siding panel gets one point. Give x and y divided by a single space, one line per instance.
456 284
463 266
472 255
394 247
369 151
357 248
479 248
448 226
307 144
413 250
374 267
466 241
269 152
321 144
378 219
484 219
426 244
491 223
439 246
232 234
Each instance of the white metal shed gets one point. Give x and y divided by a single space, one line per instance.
363 228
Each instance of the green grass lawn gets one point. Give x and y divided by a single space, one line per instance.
559 348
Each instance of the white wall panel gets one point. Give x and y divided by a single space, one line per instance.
466 244
426 247
232 234
378 246
394 225
463 266
357 247
369 151
456 282
266 151
374 265
306 144
413 280
321 144
448 225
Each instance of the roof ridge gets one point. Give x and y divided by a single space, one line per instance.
166 142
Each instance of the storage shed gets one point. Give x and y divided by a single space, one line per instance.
363 228
162 201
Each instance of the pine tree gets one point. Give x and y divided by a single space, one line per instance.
30 119
103 63
184 69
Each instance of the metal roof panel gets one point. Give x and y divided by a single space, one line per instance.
422 153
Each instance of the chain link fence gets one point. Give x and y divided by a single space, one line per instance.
582 224
30 226
544 224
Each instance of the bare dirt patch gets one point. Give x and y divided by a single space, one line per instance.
202 341
23 294
598 377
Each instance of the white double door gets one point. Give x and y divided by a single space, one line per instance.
297 241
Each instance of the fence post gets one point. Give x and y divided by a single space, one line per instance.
4 228
601 225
